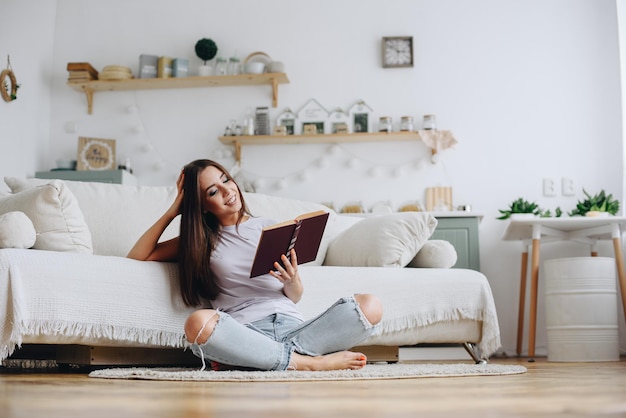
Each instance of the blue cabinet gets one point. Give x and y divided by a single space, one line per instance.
462 233
104 176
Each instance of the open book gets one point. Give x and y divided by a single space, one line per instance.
304 234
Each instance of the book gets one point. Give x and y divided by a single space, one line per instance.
83 66
304 234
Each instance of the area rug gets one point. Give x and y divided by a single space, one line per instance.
371 371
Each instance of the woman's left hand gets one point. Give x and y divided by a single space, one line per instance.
289 276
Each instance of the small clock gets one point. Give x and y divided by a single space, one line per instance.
397 51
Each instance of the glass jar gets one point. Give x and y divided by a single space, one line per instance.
234 66
406 123
221 66
430 122
384 124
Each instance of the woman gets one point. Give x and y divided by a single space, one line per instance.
252 323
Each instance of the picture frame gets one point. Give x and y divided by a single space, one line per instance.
288 120
360 116
339 121
313 113
95 154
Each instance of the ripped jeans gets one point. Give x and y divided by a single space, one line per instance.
267 344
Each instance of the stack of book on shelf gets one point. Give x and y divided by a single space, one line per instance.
81 71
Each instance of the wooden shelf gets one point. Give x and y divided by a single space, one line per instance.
239 141
90 87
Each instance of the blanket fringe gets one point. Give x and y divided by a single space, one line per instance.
90 332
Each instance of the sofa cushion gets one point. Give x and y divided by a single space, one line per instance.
382 241
117 215
436 253
55 214
16 230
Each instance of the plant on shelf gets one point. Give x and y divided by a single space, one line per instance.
547 214
520 206
206 50
596 204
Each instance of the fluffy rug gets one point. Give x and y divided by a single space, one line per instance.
371 371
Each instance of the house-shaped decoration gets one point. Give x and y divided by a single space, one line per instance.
288 119
313 113
339 122
361 117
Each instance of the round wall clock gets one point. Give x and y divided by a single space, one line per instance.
397 51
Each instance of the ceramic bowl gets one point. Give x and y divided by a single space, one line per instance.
254 67
275 67
66 164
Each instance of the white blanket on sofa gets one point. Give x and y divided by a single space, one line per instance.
107 300
95 299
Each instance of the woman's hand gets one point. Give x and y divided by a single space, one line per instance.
176 207
289 276
148 246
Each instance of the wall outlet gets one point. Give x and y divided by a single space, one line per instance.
567 186
549 189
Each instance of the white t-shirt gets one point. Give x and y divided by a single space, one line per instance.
246 299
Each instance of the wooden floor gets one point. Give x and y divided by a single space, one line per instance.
548 389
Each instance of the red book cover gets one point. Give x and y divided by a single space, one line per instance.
303 233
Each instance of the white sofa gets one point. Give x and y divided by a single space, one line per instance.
65 280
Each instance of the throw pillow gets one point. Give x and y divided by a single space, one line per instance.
16 230
55 214
382 241
437 254
115 214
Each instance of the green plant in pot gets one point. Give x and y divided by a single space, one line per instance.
596 205
520 205
206 50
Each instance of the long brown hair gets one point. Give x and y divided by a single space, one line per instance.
199 234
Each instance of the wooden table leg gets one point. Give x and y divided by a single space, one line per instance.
534 283
522 302
619 260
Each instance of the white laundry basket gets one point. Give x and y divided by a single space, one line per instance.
581 309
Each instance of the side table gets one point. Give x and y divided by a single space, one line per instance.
533 231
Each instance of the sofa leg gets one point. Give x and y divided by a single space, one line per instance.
473 351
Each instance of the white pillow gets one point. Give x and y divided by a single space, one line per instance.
16 230
382 241
435 253
55 214
117 215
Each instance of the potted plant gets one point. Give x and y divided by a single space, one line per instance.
599 204
520 206
206 49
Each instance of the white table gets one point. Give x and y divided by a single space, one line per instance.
533 231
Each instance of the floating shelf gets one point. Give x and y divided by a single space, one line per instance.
90 87
239 141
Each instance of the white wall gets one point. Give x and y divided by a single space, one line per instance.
531 89
27 36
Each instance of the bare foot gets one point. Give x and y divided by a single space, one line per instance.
334 361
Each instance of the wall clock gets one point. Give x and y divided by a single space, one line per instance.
397 51
95 154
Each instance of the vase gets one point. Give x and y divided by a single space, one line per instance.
205 70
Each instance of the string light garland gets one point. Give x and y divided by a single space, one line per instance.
349 160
